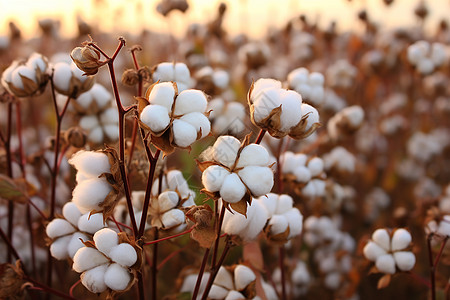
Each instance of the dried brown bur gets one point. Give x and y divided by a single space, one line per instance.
12 281
203 229
87 59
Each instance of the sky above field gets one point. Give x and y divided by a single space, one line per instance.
248 16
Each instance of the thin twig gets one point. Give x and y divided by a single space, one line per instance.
200 274
169 237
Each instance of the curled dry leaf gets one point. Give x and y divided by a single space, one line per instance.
11 281
203 230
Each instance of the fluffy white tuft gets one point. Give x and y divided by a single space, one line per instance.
105 239
117 278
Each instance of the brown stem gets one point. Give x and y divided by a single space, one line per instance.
7 144
200 274
140 278
48 289
155 268
9 244
432 267
218 229
283 275
169 237
261 134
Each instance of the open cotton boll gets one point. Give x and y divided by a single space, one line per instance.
221 79
162 94
109 116
438 54
302 174
71 213
156 117
89 122
315 166
257 221
164 71
386 264
253 155
258 179
105 239
75 244
116 277
295 220
36 60
59 227
94 279
297 77
313 115
199 121
22 71
190 101
100 94
316 78
87 258
265 102
85 99
217 292
270 203
88 194
216 106
291 108
234 223
278 224
232 190
381 237
181 72
401 239
224 279
91 162
91 223
372 251
234 295
213 178
111 131
284 204
123 254
58 248
184 134
243 276
168 200
264 83
61 76
425 66
172 218
225 150
405 260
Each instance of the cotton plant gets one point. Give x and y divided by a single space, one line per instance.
26 78
68 80
390 251
340 160
67 232
341 74
301 279
427 57
227 117
333 266
173 72
280 111
309 85
108 263
285 222
444 201
345 122
235 282
212 81
235 171
174 119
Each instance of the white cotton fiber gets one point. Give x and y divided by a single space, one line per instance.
284 204
172 218
59 227
405 260
71 213
105 239
243 276
302 174
20 72
278 224
425 66
175 180
385 264
259 180
124 254
87 258
265 102
75 243
199 121
117 278
232 190
224 279
88 194
156 117
94 279
225 150
332 280
168 200
85 99
91 223
291 109
316 78
91 162
36 60
372 251
181 72
234 223
101 95
257 221
221 79
295 220
213 178
401 239
216 106
109 116
297 77
184 134
315 166
58 248
190 101
111 131
61 76
164 72
381 237
89 122
96 135
234 295
313 115
264 83
162 94
217 292
255 155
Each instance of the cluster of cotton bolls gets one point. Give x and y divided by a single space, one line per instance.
67 232
24 79
341 74
302 46
227 117
425 57
424 146
307 171
92 189
175 72
107 265
309 85
212 81
183 113
390 250
339 197
99 118
237 169
173 180
69 80
375 202
280 111
340 160
345 122
333 102
285 221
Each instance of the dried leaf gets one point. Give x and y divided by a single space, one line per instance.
204 236
11 281
142 103
384 281
203 165
10 191
240 207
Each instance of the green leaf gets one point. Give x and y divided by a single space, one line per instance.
10 191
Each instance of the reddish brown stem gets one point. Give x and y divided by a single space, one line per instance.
169 257
218 229
200 274
48 289
169 237
261 134
7 144
73 287
432 267
155 268
283 275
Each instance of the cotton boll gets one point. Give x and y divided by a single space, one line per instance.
297 77
372 251
61 76
176 180
36 60
316 78
105 239
438 54
100 95
309 190
89 122
184 134
162 94
291 109
94 279
181 72
117 277
264 83
91 223
88 194
278 224
91 162
235 223
172 218
59 227
85 99
243 276
22 71
213 178
168 200
123 254
58 248
257 220
295 220
381 237
255 155
259 180
405 260
234 295
315 166
111 132
71 213
109 116
265 102
96 135
415 54
270 203
425 66
75 244
386 264
221 79
332 280
312 113
216 106
198 121
225 150
401 239
164 72
302 174
232 190
87 258
224 279
190 101
284 204
217 292
156 117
